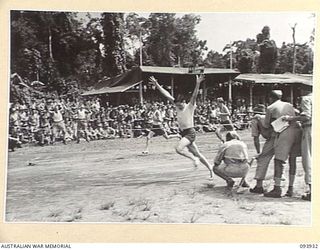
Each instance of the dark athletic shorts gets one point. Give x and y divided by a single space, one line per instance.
189 133
157 130
227 125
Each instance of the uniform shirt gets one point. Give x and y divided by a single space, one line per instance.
258 129
171 113
223 117
23 116
57 116
96 106
233 151
44 120
163 114
276 110
133 115
157 117
34 120
213 113
14 119
23 107
306 108
82 114
185 116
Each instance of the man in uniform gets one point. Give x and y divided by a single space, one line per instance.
264 157
286 144
58 123
306 119
234 154
82 125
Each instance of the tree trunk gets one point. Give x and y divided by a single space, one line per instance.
50 43
294 48
115 58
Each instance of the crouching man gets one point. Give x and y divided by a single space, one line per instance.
234 154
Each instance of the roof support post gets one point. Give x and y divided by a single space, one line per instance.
172 85
291 93
140 52
230 92
204 91
141 93
250 97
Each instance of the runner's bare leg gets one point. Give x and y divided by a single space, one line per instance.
193 148
219 132
149 136
181 149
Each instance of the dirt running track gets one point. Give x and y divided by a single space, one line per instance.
110 181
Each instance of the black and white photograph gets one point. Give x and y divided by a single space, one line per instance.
160 117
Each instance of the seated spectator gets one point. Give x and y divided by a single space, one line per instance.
14 141
14 118
70 135
92 133
109 132
174 127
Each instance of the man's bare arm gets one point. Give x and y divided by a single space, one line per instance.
199 79
164 92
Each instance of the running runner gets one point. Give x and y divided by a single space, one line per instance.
185 112
157 128
225 121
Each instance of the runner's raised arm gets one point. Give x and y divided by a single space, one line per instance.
164 92
199 79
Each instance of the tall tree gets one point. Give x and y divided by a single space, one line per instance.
160 43
173 41
268 51
48 41
137 30
243 55
113 41
23 40
89 61
304 59
188 48
214 60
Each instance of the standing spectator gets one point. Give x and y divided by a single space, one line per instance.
14 118
306 118
82 125
264 157
23 105
14 141
24 117
96 105
170 114
44 135
287 142
58 124
34 122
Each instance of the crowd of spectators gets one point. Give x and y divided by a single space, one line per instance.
44 121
